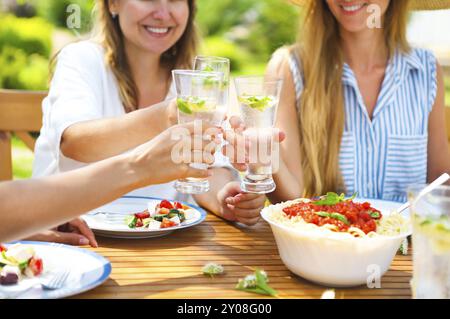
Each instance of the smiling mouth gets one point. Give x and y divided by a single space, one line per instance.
353 8
158 31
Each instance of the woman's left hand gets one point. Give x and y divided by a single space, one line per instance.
76 232
239 206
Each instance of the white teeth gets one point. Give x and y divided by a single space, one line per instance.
352 8
157 30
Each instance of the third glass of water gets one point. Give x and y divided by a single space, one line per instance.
258 102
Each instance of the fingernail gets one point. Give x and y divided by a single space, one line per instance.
84 241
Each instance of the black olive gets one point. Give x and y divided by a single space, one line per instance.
9 279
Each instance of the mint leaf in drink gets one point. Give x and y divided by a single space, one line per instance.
208 68
183 106
259 103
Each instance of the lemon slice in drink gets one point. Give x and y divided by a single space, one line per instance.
438 231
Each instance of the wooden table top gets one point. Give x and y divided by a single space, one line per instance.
170 266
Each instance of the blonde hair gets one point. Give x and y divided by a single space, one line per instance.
321 108
107 32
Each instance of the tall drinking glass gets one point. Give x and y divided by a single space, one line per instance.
258 102
431 242
198 95
216 64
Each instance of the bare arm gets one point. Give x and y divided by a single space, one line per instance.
27 207
289 177
92 141
438 150
46 203
209 200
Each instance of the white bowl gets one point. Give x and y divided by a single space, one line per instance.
330 259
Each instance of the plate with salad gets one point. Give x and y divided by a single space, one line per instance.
143 217
25 265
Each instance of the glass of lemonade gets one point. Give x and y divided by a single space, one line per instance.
258 101
216 64
198 96
431 242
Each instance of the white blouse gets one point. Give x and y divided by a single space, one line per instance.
83 88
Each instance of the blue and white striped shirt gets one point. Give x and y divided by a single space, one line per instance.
379 158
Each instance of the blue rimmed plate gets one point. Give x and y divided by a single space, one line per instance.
87 271
109 220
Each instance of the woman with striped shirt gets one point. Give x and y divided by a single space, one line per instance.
362 110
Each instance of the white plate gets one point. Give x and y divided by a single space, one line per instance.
128 205
87 271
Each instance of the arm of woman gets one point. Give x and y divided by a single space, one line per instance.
81 141
47 202
288 178
74 111
438 150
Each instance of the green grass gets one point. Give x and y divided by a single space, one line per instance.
22 160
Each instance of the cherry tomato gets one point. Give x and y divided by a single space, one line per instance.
165 204
145 214
167 223
178 205
139 223
2 248
36 266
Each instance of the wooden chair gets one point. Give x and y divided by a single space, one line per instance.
20 113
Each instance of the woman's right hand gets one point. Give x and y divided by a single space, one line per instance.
159 160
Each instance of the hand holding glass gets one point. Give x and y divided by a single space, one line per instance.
198 95
258 101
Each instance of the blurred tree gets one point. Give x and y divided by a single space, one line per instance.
258 26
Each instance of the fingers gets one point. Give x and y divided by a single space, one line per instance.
247 201
201 128
248 217
237 124
198 173
59 237
69 239
84 230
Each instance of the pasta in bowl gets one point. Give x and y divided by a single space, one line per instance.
335 241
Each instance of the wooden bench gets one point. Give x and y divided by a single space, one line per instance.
21 114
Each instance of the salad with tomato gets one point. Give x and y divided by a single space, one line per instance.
164 215
17 262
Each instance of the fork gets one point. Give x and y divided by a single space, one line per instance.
113 217
55 282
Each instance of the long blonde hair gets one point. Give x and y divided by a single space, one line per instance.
321 108
108 33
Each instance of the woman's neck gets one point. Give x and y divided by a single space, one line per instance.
149 75
365 50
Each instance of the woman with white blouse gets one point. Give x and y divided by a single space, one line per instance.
99 95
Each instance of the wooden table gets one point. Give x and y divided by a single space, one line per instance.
170 267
